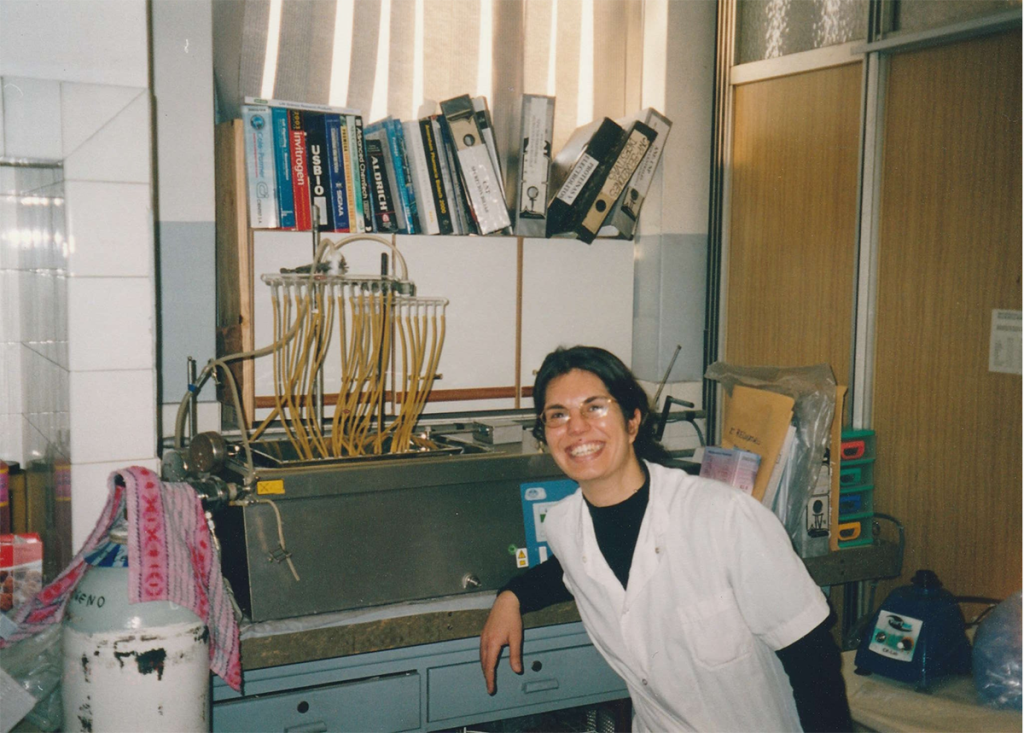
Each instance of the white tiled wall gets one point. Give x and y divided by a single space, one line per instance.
79 307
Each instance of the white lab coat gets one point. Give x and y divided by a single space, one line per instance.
714 589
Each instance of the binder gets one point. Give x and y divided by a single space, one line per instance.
575 195
622 220
483 121
462 218
530 170
476 167
634 146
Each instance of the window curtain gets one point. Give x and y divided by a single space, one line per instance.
396 55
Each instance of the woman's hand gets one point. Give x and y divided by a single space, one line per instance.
504 627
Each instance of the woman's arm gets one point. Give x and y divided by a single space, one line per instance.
814 666
538 587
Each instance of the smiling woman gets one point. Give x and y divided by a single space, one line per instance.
686 585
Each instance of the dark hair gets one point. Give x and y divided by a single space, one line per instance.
617 379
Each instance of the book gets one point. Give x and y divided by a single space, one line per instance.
426 208
475 165
378 131
732 466
345 143
529 170
462 219
438 188
283 169
315 129
637 140
578 182
304 106
403 175
300 183
364 180
352 177
261 180
622 220
757 420
385 218
338 192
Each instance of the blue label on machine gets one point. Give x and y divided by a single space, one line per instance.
538 497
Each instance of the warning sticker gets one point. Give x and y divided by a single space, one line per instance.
522 559
269 487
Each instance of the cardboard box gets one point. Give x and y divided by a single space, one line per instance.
21 570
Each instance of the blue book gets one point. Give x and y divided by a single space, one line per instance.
283 168
396 138
317 168
336 172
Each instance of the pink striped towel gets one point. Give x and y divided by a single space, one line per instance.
170 558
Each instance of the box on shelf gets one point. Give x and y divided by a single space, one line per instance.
21 569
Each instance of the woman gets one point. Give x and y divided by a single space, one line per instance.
689 588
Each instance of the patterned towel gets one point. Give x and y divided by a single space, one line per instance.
170 558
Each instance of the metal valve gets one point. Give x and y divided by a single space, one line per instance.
469 580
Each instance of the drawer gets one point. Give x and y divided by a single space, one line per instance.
855 531
389 703
458 690
855 502
856 473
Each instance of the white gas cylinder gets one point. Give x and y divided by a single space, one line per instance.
131 666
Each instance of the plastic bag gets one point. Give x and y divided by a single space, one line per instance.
813 389
996 659
36 664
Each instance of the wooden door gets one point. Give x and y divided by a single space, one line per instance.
948 429
792 221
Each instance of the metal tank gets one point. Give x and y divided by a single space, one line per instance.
131 666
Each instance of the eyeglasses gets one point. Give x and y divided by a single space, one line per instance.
594 408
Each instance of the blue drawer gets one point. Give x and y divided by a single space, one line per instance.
560 675
345 706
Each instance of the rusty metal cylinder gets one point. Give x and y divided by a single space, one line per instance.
131 666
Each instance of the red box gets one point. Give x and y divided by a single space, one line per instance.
21 569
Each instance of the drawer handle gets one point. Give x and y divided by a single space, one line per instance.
853 449
317 727
540 685
849 532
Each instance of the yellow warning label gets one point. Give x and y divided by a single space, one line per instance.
269 487
522 561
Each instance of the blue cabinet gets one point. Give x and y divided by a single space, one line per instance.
418 688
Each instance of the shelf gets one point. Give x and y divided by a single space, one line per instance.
870 562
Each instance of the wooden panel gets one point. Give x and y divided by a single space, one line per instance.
793 208
234 260
949 431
